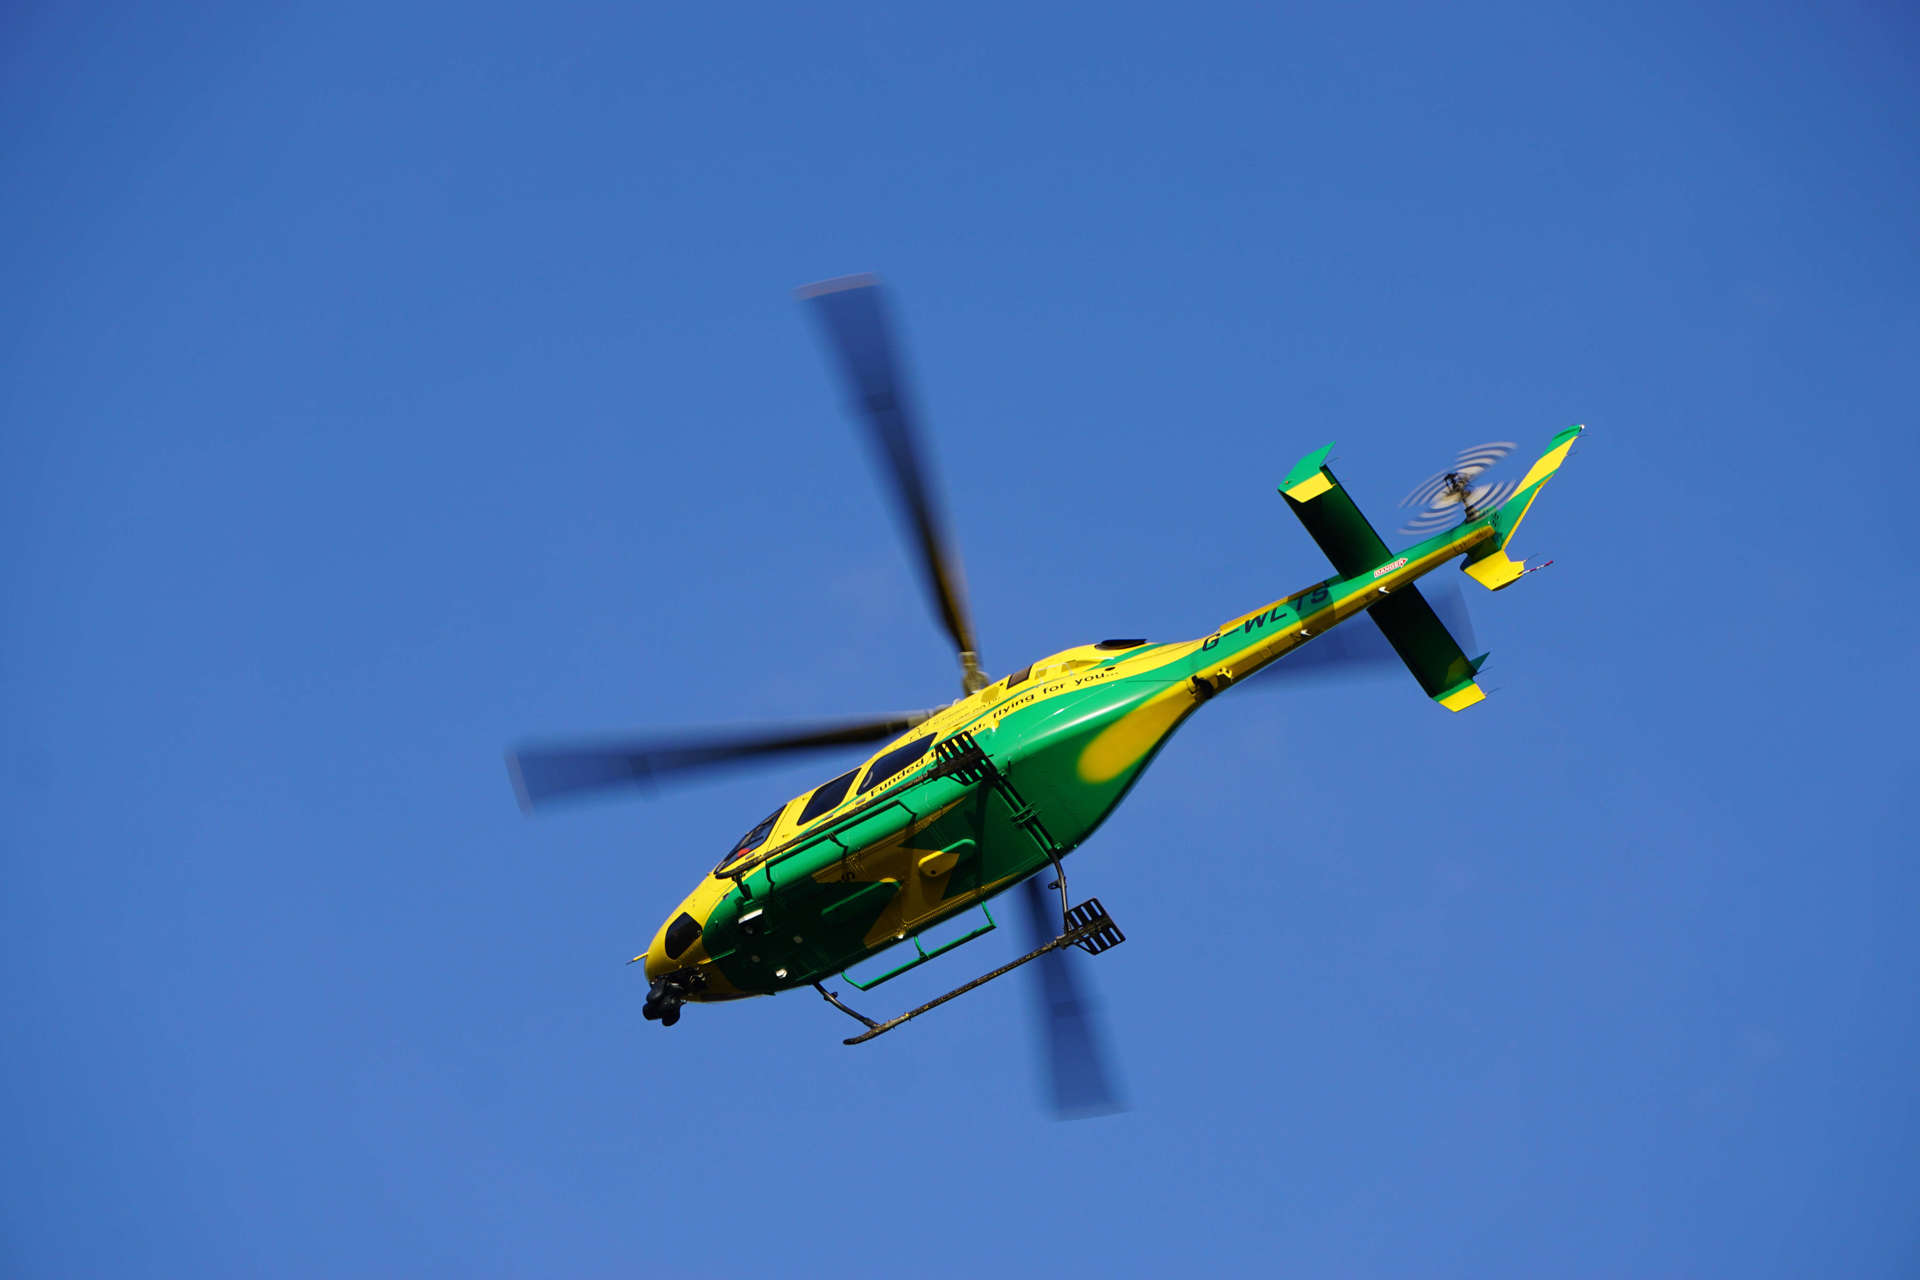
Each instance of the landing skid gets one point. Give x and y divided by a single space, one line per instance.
1088 926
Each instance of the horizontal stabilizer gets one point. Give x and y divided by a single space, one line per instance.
1330 516
1404 617
1423 642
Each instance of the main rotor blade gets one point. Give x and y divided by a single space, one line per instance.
542 774
855 322
1078 1080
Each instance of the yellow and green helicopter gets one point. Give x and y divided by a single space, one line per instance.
993 790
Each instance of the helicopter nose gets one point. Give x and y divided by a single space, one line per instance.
671 944
657 962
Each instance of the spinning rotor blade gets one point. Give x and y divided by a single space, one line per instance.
1079 1082
1477 458
544 774
1486 497
850 311
1432 520
1471 462
1441 496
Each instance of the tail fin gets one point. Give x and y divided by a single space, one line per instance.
1489 565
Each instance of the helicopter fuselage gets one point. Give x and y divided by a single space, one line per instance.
915 836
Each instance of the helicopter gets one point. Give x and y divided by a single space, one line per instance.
958 803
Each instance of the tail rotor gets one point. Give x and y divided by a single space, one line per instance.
1456 491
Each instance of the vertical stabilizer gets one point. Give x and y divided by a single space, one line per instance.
1489 564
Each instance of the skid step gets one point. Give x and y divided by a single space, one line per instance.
1092 929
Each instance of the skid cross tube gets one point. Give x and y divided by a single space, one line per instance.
1087 926
1071 937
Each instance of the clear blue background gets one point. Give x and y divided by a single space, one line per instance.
381 384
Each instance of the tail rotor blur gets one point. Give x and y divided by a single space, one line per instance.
1456 494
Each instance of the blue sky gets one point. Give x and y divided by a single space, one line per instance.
384 383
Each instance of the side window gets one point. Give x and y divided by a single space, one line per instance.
893 762
827 796
750 841
1019 675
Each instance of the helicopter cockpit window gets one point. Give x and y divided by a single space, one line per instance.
829 795
893 762
750 841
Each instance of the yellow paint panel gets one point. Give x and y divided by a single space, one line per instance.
921 896
923 877
1463 697
1548 464
1495 570
1123 744
1312 487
